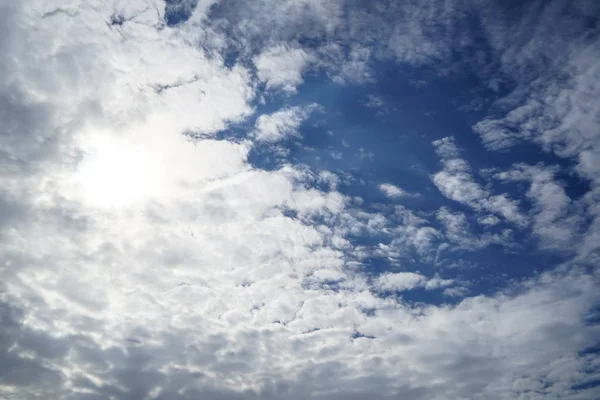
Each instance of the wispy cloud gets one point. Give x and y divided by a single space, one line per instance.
401 281
555 220
281 124
457 183
281 67
394 192
374 101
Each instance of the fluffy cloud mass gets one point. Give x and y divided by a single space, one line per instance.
281 200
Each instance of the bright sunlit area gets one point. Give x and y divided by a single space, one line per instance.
116 172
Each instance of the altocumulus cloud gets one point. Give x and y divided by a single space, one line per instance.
148 250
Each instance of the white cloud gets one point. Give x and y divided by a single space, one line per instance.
489 220
459 233
554 220
281 124
551 103
457 183
281 67
459 291
400 281
351 68
393 191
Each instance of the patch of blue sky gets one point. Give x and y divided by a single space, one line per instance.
391 142
382 132
178 11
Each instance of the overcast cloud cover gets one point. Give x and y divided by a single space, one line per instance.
299 199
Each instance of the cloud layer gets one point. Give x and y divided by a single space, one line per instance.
148 252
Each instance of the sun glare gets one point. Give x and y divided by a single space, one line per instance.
118 174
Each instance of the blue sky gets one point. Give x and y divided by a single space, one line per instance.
296 199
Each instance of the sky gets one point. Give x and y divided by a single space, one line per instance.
299 199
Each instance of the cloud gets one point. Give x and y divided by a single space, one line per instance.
457 183
459 233
473 334
281 67
555 220
281 124
460 291
489 220
393 191
374 101
550 104
402 281
253 29
350 67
